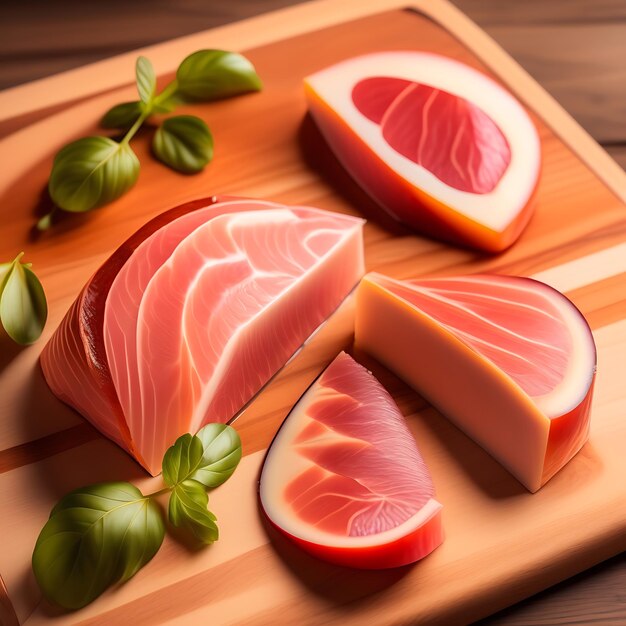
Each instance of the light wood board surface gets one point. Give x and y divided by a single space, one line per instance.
502 543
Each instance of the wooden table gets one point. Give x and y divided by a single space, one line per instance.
572 48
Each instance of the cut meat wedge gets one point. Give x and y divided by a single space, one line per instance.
439 145
198 316
343 477
511 361
74 361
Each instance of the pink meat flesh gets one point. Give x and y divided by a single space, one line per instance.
122 305
514 326
373 96
207 310
368 476
447 135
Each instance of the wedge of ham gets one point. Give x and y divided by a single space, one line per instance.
509 360
188 320
437 144
344 479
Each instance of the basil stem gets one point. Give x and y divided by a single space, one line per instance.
103 534
93 171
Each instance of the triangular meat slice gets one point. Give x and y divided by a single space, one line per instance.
344 479
509 360
74 361
202 312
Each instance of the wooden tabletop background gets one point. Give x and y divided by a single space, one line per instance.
576 49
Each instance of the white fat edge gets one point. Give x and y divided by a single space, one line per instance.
577 377
278 470
495 209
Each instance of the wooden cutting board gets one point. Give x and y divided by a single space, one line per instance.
503 543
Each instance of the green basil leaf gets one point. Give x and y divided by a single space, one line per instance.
188 509
146 79
222 453
183 142
90 172
182 459
122 115
96 536
210 457
5 268
23 307
212 74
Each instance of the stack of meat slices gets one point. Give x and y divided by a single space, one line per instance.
194 313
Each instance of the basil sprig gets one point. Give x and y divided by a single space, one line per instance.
104 534
23 306
94 171
193 464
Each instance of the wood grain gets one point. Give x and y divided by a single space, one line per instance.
284 158
593 597
32 47
575 50
541 12
572 47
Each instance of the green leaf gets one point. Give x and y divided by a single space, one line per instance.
212 74
182 459
183 142
23 307
222 453
5 268
96 536
90 172
146 79
122 115
210 457
188 509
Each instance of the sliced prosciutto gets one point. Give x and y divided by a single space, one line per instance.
511 361
344 479
438 144
188 320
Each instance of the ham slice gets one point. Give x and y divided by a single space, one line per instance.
188 320
509 360
344 479
438 144
446 134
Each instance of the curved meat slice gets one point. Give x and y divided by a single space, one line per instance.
344 479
